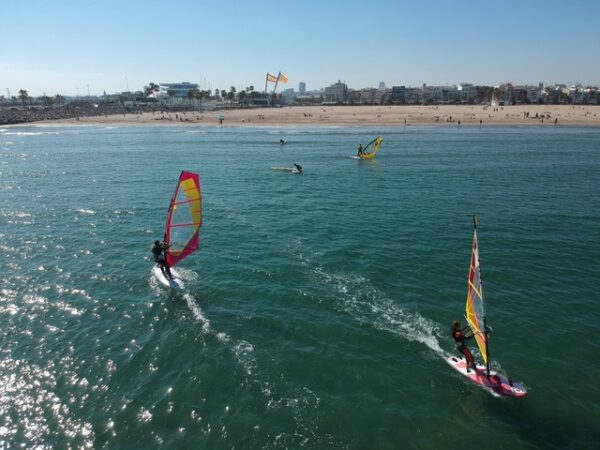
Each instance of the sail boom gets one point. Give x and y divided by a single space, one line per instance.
185 224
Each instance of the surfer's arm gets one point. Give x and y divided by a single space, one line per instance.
467 332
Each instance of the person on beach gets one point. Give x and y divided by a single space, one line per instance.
460 336
360 150
159 258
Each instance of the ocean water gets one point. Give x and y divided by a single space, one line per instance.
316 312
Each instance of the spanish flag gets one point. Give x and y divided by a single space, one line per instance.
271 78
283 78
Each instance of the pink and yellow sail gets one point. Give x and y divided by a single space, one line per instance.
184 219
475 307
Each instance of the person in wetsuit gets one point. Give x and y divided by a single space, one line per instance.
360 150
461 336
159 258
298 167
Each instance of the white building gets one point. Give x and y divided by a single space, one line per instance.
337 92
178 90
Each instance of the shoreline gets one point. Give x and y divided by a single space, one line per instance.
356 116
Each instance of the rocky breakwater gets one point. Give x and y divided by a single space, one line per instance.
10 115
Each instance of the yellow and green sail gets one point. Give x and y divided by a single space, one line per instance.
376 143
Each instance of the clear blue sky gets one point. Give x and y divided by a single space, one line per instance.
57 46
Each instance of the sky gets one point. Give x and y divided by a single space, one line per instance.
76 47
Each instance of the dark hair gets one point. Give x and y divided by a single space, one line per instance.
156 242
455 324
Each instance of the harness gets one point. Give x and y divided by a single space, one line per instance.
459 339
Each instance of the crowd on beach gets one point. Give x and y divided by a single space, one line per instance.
344 115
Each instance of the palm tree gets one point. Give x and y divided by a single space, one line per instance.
59 99
47 101
191 94
231 94
242 96
1 99
151 89
171 94
23 95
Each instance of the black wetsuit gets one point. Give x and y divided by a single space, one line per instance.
157 252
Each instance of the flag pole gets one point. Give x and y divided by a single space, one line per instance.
266 81
277 82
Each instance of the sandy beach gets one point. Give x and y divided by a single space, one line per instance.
446 115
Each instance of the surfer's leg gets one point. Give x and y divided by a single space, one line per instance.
168 269
469 357
162 269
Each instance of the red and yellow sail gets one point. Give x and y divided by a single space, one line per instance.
184 218
475 308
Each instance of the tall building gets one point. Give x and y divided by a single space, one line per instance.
302 87
382 85
337 92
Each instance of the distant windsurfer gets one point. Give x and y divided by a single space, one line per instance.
159 258
460 336
298 167
360 150
282 141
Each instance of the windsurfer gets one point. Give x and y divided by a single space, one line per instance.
282 141
460 336
159 258
298 167
360 150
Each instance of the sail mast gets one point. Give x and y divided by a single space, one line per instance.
485 328
475 306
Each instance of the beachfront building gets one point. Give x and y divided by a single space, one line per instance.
399 94
371 96
302 88
288 96
336 93
431 94
310 98
465 93
176 93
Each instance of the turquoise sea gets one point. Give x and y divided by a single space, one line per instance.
317 310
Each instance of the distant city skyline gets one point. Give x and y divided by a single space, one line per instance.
71 48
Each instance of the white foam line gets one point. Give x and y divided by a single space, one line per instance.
381 311
197 312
